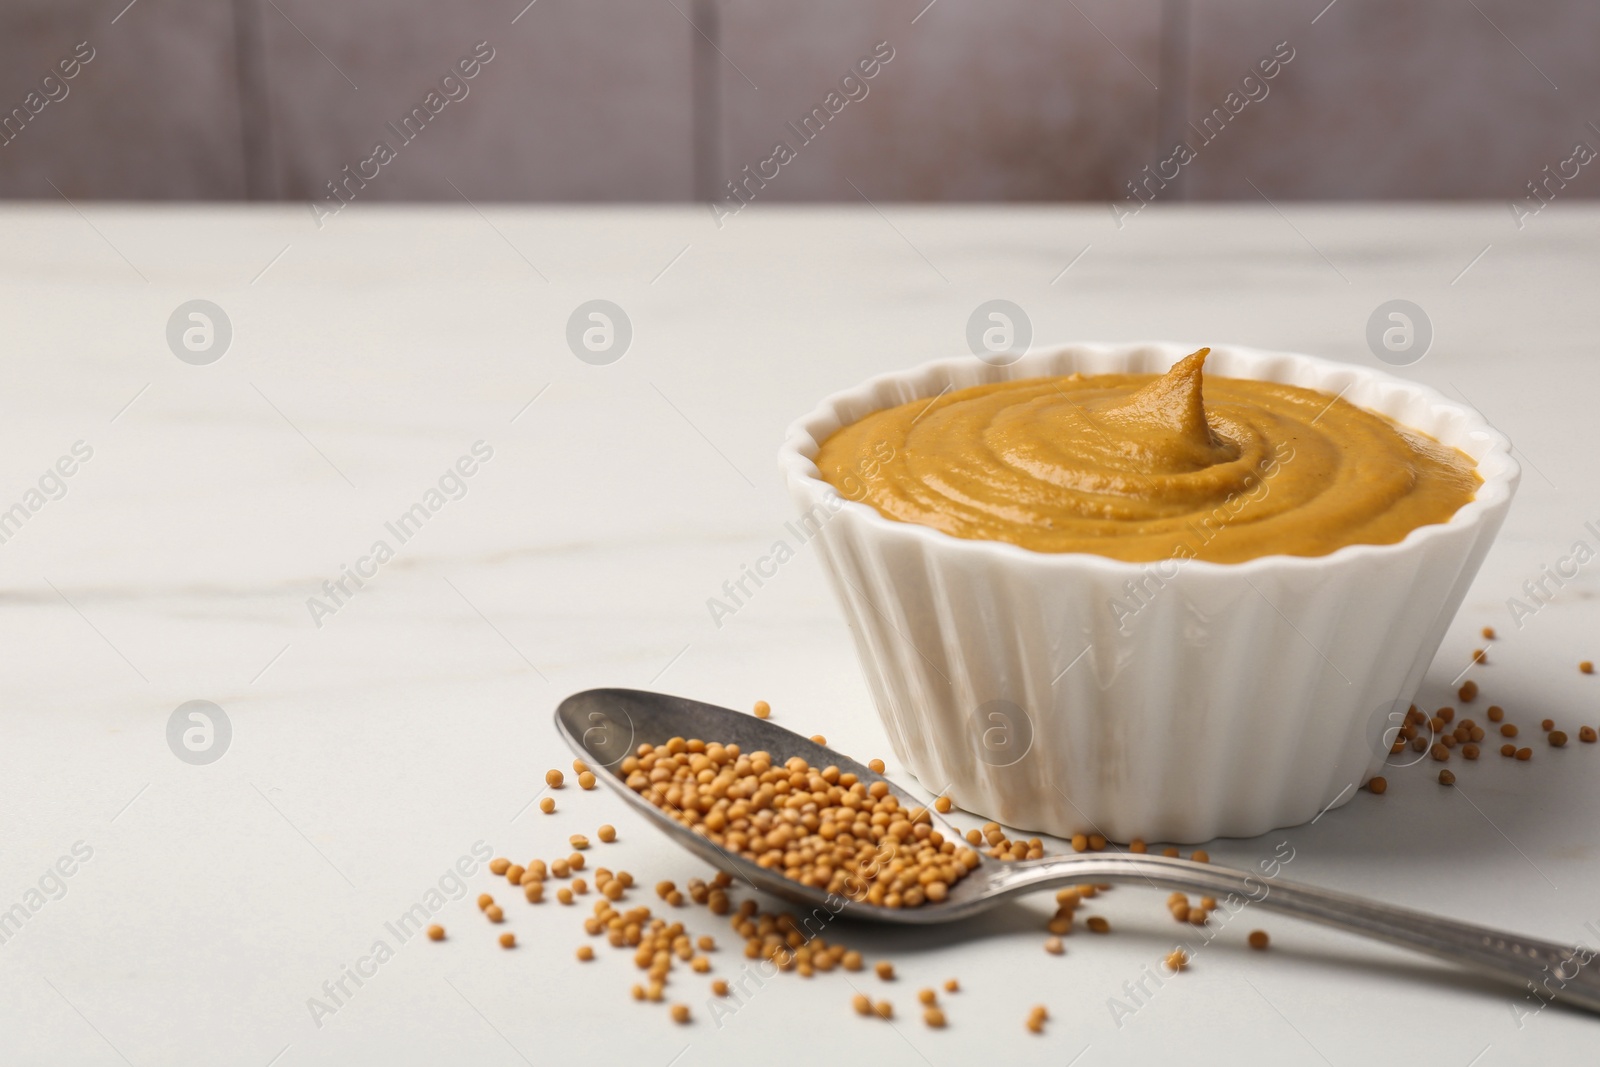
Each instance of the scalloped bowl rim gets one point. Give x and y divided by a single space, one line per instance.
1496 466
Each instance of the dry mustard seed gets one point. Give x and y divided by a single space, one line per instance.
1259 940
706 943
564 895
942 805
1468 692
1200 855
851 961
579 886
607 833
547 805
885 970
578 766
514 873
1508 750
1097 842
1524 753
763 709
934 1018
585 953
1586 667
484 900
1547 725
680 1013
498 865
1098 925
1469 751
1447 777
1170 853
1488 633
884 1009
876 766
1439 752
553 779
534 892
1377 784
1209 903
1587 734
495 913
952 986
1177 960
1480 656
700 965
435 932
1508 730
1054 946
578 841
576 861
927 996
508 940
586 780
1557 738
821 827
720 987
862 1003
1080 842
1495 713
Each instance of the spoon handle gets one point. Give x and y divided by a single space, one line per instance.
1544 969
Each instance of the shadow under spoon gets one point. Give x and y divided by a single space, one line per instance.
605 726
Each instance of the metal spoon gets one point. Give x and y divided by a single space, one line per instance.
604 726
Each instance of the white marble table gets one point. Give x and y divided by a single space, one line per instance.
369 753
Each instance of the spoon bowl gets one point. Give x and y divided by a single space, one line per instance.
605 726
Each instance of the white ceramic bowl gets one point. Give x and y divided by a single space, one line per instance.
1234 698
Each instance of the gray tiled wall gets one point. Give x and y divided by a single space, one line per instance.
672 99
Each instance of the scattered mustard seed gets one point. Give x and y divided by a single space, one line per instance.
585 953
1557 738
876 766
942 805
862 1003
884 1009
495 913
1488 633
498 865
435 932
578 841
1259 940
484 900
1586 667
547 805
952 986
586 780
1524 753
934 1018
1377 785
1468 691
680 1013
885 970
508 940
1098 925
553 779
1447 777
763 710
1054 946
1587 734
